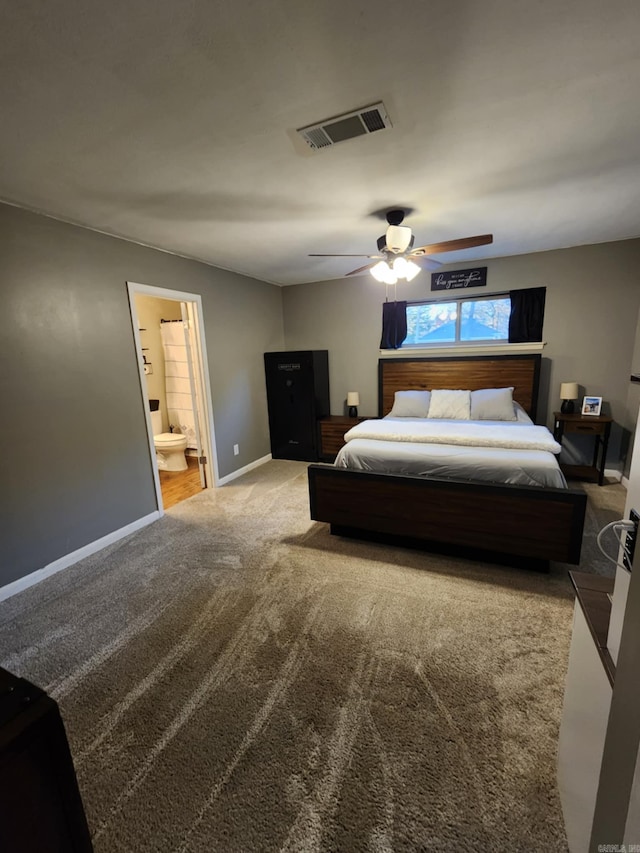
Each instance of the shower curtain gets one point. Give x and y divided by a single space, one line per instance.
177 385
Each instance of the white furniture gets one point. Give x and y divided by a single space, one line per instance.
587 701
599 744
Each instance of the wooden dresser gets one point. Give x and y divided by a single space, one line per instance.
332 429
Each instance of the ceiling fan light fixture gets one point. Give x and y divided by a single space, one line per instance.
398 238
379 271
382 272
399 267
412 270
406 269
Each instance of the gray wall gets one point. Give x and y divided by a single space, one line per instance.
633 397
593 298
75 464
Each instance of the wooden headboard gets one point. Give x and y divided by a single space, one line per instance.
467 372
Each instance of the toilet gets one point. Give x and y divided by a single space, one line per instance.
170 446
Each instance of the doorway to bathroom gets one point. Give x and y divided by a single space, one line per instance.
168 328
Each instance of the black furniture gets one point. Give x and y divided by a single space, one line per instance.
297 397
596 426
40 807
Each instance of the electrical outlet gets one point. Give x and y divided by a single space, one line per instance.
236 449
630 541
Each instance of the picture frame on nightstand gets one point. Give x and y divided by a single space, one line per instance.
591 405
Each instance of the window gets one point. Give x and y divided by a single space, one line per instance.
464 320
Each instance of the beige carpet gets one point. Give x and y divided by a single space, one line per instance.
233 678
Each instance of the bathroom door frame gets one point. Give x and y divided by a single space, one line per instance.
206 416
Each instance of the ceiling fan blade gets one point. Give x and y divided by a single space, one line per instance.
452 245
344 256
361 269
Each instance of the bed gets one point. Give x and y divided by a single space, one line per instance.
506 503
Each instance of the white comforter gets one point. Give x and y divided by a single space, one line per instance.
513 436
461 450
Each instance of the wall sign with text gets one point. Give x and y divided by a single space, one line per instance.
476 277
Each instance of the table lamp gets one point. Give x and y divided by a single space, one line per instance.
353 401
568 393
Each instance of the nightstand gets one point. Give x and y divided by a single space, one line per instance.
597 426
332 430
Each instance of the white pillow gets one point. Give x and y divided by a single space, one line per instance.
521 416
450 404
492 404
410 404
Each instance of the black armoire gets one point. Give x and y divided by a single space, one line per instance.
297 397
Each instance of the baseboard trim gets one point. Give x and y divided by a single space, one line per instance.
614 474
75 556
235 474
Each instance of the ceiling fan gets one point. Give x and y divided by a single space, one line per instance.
397 257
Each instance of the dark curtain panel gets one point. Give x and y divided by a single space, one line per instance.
394 324
527 315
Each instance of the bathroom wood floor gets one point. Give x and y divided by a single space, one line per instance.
177 486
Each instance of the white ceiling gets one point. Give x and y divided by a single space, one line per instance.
173 124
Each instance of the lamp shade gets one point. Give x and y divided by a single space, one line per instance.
412 270
353 398
383 272
380 271
569 391
399 268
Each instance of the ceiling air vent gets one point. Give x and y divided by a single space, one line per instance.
340 128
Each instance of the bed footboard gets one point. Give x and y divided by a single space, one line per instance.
521 522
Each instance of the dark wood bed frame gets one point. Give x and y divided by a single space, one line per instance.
518 525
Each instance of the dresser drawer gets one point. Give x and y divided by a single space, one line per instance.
585 428
332 441
332 430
